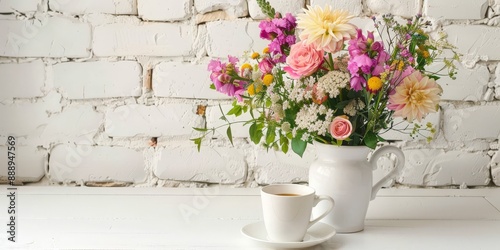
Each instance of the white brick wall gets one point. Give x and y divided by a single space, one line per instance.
164 10
83 163
9 6
234 8
76 7
146 39
90 82
355 7
437 167
223 165
183 80
24 80
405 8
453 9
478 43
233 38
467 124
47 37
139 120
282 6
30 163
470 84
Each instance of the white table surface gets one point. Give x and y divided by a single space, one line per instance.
166 218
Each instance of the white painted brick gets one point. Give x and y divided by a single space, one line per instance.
402 128
276 167
238 130
470 84
75 124
23 119
406 8
9 6
365 24
282 6
479 43
164 120
355 7
233 38
183 80
51 37
147 39
495 168
453 9
75 7
96 163
29 161
164 10
24 80
219 165
435 167
234 8
98 79
466 124
497 74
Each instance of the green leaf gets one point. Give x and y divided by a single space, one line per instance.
255 133
298 145
201 129
266 8
284 148
270 135
230 134
197 141
212 86
370 140
234 110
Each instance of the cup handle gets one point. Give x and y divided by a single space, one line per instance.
400 161
317 199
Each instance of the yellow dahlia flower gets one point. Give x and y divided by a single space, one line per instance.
326 28
415 97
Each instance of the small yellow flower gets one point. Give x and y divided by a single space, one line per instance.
265 50
255 55
374 84
268 79
246 66
252 90
425 54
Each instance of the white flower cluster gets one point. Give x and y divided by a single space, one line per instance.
300 91
314 118
354 105
331 83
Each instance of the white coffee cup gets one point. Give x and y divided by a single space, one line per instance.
287 211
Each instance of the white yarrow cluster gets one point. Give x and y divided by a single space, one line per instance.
314 118
354 105
299 91
332 83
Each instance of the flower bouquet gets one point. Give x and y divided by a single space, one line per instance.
323 79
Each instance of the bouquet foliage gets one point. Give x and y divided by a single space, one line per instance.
323 79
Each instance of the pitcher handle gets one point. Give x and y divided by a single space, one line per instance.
400 161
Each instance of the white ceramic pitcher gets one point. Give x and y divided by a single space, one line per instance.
345 174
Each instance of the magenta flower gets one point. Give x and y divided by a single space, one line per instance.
281 32
367 58
266 65
222 79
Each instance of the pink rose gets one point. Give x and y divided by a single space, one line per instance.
303 60
340 128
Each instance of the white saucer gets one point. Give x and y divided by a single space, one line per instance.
318 233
